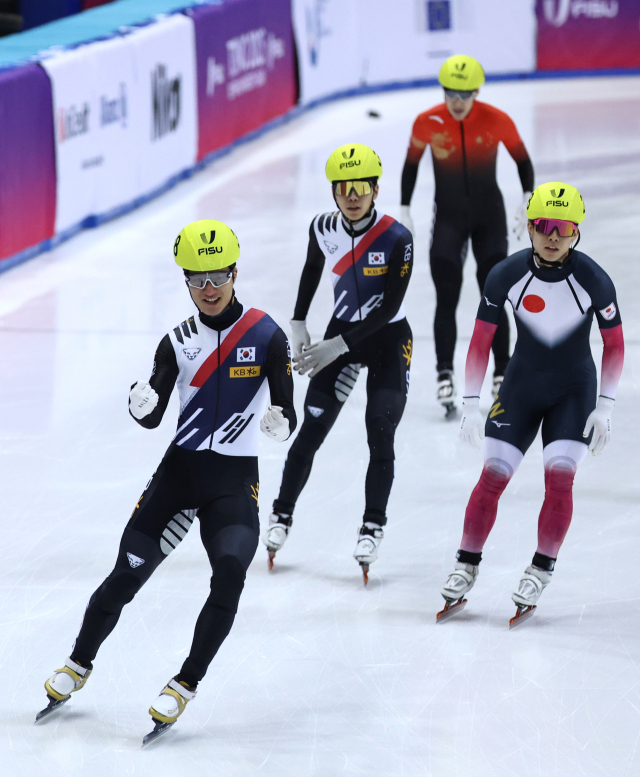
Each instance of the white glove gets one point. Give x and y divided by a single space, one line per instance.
600 422
316 357
142 399
520 219
472 424
274 424
406 220
299 336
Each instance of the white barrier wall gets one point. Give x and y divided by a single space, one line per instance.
125 117
345 44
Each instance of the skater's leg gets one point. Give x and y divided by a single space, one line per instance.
501 460
229 528
561 460
325 398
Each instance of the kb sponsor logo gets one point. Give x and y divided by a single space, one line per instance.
165 98
557 12
72 122
114 110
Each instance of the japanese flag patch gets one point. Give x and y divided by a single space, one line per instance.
376 257
246 354
609 312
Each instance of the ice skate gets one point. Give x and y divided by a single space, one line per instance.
277 533
459 583
167 708
532 584
446 394
497 385
370 535
61 685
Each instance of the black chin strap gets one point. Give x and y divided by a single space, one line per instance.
543 262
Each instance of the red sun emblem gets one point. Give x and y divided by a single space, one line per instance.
533 303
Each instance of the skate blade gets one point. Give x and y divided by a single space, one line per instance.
272 555
523 614
365 572
450 609
450 411
159 729
53 706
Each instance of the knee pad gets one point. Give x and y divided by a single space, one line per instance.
380 436
227 583
117 590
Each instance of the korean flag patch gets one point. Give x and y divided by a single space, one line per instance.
246 354
609 312
376 257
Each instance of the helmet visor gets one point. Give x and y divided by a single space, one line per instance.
546 227
216 278
343 188
454 94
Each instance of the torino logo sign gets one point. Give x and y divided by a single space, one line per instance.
557 12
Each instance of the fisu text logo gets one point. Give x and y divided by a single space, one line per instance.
114 110
72 122
165 100
557 12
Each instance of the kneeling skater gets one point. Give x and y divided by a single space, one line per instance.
226 362
550 381
370 258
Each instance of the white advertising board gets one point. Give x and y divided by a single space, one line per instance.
125 117
94 124
165 62
348 44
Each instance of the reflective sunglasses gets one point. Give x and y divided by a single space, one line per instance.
461 95
216 278
344 188
546 227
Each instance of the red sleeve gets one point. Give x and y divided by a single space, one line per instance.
478 357
513 142
612 360
420 132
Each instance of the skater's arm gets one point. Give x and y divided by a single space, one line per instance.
612 360
478 357
514 145
162 381
410 170
278 369
311 274
400 266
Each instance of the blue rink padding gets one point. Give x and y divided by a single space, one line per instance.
96 220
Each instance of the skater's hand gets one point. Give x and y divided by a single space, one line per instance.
406 220
600 422
274 424
317 356
300 338
472 424
142 400
520 218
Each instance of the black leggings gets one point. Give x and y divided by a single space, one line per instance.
387 354
449 243
223 492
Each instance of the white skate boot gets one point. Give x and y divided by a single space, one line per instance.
530 587
497 385
61 685
446 393
168 707
370 535
459 583
277 533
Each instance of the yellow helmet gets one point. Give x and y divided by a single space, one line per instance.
353 160
206 245
556 200
462 73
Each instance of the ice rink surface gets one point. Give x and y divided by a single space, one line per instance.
319 676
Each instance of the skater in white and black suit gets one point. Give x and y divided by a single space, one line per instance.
226 363
551 381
